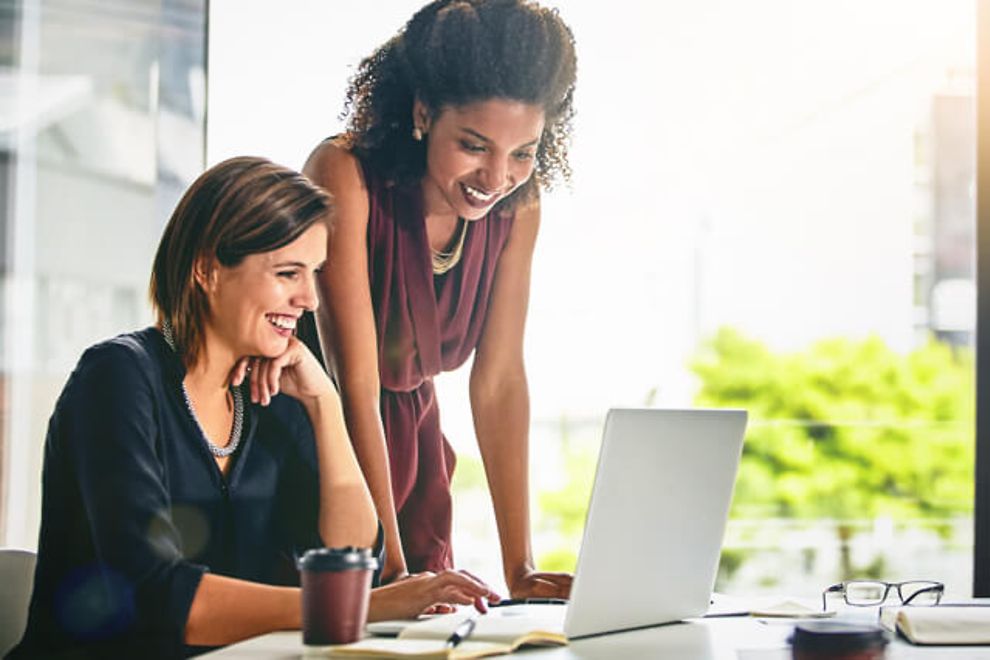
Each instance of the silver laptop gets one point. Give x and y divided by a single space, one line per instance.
659 505
653 533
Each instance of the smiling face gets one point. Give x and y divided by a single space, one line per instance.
254 305
477 154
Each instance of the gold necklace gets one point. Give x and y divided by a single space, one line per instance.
444 261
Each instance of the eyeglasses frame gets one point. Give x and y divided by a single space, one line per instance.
840 587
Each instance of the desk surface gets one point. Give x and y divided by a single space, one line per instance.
741 638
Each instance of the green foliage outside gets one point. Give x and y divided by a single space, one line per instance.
564 510
469 474
846 430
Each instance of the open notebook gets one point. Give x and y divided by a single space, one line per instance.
965 623
428 639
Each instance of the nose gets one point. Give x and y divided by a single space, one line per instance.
307 297
496 175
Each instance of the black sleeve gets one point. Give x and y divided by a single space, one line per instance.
109 430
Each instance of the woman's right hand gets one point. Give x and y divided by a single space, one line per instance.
428 592
296 372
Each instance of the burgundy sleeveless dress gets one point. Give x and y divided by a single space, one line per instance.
425 324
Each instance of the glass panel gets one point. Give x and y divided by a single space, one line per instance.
101 127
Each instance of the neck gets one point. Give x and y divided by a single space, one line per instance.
440 225
436 210
211 372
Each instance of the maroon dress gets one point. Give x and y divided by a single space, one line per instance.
425 324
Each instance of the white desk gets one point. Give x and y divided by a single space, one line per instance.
740 638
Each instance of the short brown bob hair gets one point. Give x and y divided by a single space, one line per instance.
242 206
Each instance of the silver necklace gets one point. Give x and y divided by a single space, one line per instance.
235 431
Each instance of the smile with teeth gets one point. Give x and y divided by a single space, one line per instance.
282 321
478 194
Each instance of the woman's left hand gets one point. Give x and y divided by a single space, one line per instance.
295 372
533 584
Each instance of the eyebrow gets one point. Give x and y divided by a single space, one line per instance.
297 264
488 140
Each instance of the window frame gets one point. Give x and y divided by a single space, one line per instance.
981 504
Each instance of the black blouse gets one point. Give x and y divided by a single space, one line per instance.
135 508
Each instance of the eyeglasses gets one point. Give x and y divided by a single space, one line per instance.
863 593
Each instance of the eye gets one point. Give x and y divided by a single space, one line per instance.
288 274
472 147
524 156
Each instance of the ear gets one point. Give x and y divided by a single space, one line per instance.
205 273
422 117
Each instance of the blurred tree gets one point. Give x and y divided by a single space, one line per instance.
846 430
563 510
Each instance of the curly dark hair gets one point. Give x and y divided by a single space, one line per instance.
456 52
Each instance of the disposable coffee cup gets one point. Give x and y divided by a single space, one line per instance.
336 587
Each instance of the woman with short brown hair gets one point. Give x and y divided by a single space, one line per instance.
175 494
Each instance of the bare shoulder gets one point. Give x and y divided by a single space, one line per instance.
526 224
529 210
333 166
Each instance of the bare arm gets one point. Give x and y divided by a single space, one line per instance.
347 333
500 405
347 514
226 610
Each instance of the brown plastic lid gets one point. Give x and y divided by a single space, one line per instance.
337 559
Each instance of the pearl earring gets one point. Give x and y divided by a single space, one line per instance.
417 133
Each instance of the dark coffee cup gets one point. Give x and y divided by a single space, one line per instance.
836 640
336 588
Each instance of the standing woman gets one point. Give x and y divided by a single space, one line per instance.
454 126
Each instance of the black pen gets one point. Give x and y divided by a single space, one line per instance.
462 632
529 601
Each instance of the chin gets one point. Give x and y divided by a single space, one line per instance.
465 210
471 214
272 349
279 349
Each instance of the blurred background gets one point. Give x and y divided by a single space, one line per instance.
773 208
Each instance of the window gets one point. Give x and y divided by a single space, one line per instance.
101 129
